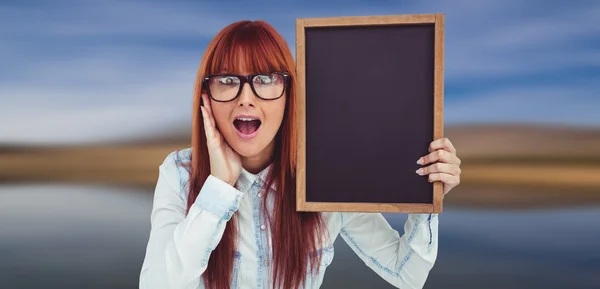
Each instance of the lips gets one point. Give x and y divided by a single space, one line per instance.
247 125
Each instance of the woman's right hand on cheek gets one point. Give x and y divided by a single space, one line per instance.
225 163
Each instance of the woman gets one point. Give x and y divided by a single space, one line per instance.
214 222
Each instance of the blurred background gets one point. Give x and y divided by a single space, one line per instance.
95 94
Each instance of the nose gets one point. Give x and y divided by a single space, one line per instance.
247 97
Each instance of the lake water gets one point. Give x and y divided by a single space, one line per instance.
58 236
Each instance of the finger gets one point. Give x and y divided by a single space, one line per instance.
206 103
211 118
447 179
439 168
442 143
441 156
208 129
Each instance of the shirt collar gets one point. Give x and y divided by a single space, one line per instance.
246 178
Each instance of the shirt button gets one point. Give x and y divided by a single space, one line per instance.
259 195
263 227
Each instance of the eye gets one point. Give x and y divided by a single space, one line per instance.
228 80
268 79
263 79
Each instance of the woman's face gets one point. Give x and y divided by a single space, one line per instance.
248 123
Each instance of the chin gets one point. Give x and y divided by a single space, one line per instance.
247 150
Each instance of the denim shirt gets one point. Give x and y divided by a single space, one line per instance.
179 246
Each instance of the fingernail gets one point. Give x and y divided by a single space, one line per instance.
419 171
420 161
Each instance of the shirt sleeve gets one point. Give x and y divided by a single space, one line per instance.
179 246
403 261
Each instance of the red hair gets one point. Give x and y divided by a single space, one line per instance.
295 235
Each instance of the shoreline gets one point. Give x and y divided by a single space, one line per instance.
509 184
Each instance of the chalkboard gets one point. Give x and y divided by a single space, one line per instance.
370 101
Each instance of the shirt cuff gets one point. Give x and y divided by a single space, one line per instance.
423 217
219 198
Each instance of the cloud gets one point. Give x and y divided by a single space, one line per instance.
516 41
113 19
79 71
570 105
67 123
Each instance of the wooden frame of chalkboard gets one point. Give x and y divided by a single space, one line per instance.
370 93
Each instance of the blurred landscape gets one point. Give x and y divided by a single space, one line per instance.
94 95
526 191
561 162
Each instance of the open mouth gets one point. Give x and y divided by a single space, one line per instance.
247 126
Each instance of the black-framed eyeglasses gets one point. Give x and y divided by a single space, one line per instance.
227 87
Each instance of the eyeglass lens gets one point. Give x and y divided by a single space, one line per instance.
226 87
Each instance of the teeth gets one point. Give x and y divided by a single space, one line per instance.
246 119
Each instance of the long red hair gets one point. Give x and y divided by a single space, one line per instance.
295 235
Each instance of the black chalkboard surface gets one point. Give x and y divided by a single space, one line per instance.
370 101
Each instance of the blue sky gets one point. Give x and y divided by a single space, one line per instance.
80 71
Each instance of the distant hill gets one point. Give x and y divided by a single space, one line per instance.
502 141
472 141
524 140
503 165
